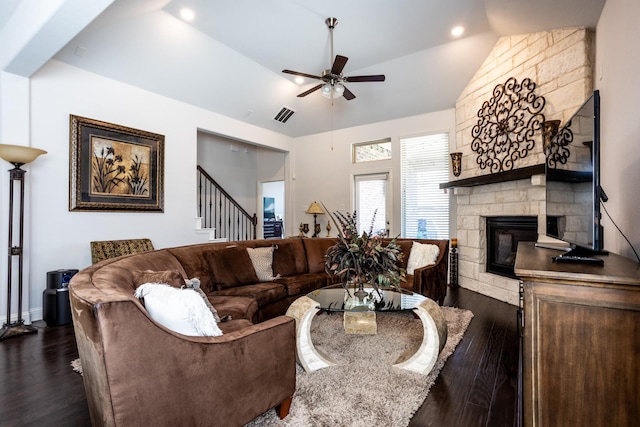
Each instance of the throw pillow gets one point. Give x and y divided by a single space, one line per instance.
174 279
422 254
195 285
181 310
262 260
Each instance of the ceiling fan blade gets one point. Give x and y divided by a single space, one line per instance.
338 64
375 78
348 95
297 73
313 89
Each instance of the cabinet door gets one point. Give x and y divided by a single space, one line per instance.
581 355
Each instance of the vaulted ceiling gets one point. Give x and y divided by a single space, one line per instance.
229 58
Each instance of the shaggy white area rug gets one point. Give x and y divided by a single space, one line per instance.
363 389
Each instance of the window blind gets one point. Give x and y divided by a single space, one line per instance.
424 164
371 198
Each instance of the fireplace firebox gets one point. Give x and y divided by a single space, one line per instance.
503 235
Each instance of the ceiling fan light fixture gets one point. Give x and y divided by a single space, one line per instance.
331 80
326 90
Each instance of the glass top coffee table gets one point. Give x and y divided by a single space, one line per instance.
359 318
336 298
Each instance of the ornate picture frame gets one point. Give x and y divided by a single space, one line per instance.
114 168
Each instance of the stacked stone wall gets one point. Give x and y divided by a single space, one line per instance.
560 62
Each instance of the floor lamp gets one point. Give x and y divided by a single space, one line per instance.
17 155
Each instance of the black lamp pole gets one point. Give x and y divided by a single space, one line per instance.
11 329
17 155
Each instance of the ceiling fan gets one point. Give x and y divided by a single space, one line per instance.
332 79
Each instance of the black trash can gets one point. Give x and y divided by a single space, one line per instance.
55 299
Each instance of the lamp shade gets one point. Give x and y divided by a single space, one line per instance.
315 208
19 154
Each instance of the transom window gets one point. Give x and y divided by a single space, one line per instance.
372 151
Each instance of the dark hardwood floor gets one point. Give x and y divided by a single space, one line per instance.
476 387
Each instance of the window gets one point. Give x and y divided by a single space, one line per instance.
371 198
371 151
424 164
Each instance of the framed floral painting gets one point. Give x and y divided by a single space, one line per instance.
114 168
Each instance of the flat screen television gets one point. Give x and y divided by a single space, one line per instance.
573 191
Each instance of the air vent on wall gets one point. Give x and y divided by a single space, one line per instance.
283 115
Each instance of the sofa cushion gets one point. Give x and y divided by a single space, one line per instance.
289 258
235 306
422 255
170 277
408 283
231 267
264 293
316 248
262 260
303 283
181 310
405 246
194 261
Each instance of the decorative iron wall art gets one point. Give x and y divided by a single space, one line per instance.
557 151
506 125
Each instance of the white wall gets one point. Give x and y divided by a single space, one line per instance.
233 165
323 170
58 238
616 76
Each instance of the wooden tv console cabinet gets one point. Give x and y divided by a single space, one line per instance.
581 347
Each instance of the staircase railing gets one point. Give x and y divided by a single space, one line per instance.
220 211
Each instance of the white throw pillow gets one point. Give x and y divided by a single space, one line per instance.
262 260
181 310
422 254
195 285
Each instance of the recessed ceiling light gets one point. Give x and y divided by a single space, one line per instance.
187 14
457 31
299 80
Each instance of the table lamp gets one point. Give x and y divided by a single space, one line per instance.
316 210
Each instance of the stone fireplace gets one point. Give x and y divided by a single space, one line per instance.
559 62
508 199
503 233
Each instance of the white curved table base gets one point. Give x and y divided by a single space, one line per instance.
303 310
434 337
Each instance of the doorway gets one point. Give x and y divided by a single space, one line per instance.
272 209
372 198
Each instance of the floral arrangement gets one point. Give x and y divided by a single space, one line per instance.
363 258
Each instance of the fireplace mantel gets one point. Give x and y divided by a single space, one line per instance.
512 175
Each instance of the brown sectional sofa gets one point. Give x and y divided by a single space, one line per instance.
137 372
